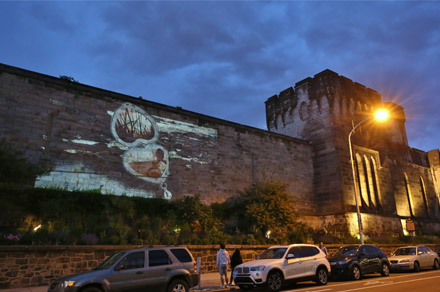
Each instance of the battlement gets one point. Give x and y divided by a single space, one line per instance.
327 83
325 91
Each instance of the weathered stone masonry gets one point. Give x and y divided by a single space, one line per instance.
101 140
395 181
74 128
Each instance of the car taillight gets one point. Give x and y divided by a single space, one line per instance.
195 266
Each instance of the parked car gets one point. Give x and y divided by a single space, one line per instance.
353 261
280 264
414 258
146 269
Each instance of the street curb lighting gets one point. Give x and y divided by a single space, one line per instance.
381 116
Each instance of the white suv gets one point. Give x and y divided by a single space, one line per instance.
280 264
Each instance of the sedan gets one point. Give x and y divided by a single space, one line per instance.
354 261
414 258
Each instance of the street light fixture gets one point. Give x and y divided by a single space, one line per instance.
380 115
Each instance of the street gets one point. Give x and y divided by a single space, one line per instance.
425 281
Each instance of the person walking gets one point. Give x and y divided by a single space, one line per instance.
235 261
222 264
323 248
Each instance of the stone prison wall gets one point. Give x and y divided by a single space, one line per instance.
95 139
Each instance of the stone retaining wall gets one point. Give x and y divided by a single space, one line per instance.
29 266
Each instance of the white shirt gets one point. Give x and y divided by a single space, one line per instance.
222 257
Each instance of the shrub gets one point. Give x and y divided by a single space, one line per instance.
15 167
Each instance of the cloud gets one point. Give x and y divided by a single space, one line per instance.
226 58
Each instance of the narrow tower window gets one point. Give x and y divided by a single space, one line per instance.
361 180
425 199
408 195
375 177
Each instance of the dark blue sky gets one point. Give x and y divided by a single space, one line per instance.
225 59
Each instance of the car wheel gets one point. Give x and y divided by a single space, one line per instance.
385 270
245 287
274 281
416 267
356 272
178 285
321 276
92 289
436 265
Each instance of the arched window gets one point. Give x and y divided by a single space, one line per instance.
409 196
362 183
351 107
304 111
359 107
375 177
369 182
278 121
425 199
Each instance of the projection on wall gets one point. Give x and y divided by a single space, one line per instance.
133 128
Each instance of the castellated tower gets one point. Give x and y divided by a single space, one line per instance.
323 110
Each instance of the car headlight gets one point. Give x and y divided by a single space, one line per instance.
343 262
257 268
67 283
404 261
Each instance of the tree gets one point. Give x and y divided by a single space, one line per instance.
268 210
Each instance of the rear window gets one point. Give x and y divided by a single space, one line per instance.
158 258
309 251
182 255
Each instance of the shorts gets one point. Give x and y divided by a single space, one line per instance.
222 269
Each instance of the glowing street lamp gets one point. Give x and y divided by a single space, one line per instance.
380 116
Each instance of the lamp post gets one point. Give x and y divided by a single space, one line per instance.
380 115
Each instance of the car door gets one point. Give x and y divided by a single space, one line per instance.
424 257
374 258
364 261
129 273
431 256
159 267
310 259
293 264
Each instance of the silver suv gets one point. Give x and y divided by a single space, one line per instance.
145 269
280 264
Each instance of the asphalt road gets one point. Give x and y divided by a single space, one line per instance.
425 281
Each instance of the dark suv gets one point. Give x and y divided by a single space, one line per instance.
145 269
353 261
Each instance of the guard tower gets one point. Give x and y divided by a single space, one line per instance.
323 110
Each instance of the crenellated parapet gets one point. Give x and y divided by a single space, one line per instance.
326 92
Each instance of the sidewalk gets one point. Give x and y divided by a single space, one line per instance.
209 281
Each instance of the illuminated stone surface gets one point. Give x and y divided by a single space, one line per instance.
100 140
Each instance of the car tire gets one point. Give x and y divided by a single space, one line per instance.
274 281
385 272
178 285
356 273
436 265
416 267
321 276
92 289
245 287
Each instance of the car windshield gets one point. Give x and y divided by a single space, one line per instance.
110 261
405 251
346 251
273 253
